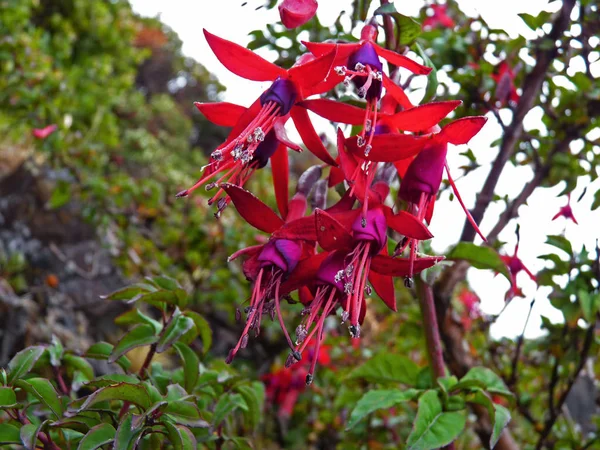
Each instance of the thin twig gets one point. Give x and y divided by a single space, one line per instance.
513 374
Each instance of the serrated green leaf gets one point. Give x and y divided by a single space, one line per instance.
493 383
44 391
98 436
8 398
191 365
387 368
9 434
379 399
127 392
136 337
103 350
479 257
23 362
433 428
177 327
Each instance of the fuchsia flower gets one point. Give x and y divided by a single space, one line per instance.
470 301
43 133
258 132
566 211
506 91
439 17
515 265
295 13
359 63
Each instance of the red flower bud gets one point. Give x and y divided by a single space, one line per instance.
295 13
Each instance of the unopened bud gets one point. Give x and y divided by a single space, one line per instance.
295 13
308 179
309 379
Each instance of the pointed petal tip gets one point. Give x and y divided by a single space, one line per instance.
182 194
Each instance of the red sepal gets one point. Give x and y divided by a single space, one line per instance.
309 136
335 111
336 176
248 251
396 92
255 212
399 267
402 166
302 228
322 48
429 212
423 117
384 286
344 204
401 61
280 171
462 130
281 134
331 234
304 273
223 114
296 207
241 61
407 225
388 147
306 76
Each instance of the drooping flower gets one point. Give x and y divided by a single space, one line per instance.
439 17
43 133
258 132
295 13
470 302
515 265
359 63
504 76
566 211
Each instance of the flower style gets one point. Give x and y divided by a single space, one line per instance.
504 76
43 133
439 17
258 132
359 63
515 265
566 211
295 13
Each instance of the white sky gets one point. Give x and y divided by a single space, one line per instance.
232 21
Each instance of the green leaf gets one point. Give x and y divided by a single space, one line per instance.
202 327
186 413
136 317
98 436
8 398
136 337
501 420
103 350
432 80
127 434
125 294
60 195
589 305
254 396
181 437
177 327
479 257
56 352
226 405
387 368
23 362
127 392
406 30
44 391
9 434
493 383
191 365
378 399
432 427
561 243
75 363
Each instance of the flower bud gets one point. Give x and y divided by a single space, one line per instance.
295 13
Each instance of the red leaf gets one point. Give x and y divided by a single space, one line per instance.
335 111
407 225
384 287
303 228
221 113
462 130
309 136
280 170
255 212
396 92
309 74
331 234
423 117
304 273
402 61
242 61
398 267
388 147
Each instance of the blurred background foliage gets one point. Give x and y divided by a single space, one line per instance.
92 208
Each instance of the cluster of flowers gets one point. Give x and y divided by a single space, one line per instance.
337 255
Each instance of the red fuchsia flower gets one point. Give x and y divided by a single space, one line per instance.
268 265
504 76
515 265
285 384
422 177
43 133
439 18
295 13
470 301
258 132
566 211
359 63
